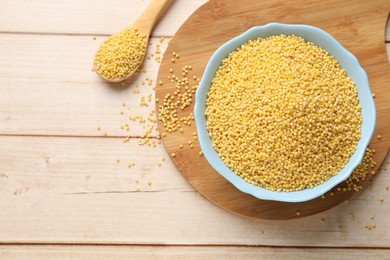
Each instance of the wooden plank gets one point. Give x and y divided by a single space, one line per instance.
58 94
87 17
62 166
186 252
70 190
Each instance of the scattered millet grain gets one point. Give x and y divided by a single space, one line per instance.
180 99
340 228
369 226
270 105
149 122
120 54
359 174
131 164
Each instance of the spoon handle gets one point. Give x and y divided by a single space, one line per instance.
144 24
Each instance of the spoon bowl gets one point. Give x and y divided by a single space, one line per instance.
143 25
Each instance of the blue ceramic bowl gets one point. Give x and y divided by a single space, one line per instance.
346 60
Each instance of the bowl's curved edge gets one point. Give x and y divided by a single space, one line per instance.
238 182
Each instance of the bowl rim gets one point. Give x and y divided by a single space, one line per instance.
205 142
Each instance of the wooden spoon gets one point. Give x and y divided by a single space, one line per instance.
144 25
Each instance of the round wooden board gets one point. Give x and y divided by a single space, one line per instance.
358 25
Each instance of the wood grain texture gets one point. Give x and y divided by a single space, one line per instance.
56 70
75 17
359 29
59 182
153 12
71 190
101 17
179 252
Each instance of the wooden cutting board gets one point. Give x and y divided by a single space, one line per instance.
357 24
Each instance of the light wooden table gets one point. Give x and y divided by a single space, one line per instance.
62 194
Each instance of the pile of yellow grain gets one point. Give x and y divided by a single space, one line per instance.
282 114
120 54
